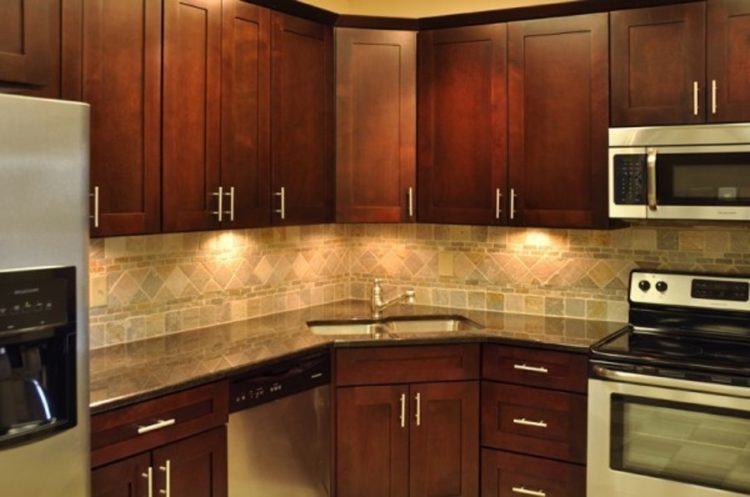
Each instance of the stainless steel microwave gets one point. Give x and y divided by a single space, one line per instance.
680 172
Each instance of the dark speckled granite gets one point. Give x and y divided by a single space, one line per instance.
129 373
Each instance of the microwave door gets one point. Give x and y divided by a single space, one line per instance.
702 183
627 183
647 441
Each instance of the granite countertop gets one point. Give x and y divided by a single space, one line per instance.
128 373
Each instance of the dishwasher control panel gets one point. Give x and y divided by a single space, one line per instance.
279 380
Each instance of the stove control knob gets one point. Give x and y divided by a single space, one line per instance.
662 287
644 285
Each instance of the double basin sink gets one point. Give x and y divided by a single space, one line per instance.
393 325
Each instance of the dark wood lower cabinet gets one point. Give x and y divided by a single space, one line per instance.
511 475
193 467
122 479
444 456
372 442
196 466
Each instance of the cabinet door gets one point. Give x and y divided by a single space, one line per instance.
191 131
26 42
462 123
126 478
376 125
372 442
658 65
194 467
301 120
445 440
245 162
559 115
728 32
120 54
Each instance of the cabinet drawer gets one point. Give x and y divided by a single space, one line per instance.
536 368
511 475
534 421
373 366
140 427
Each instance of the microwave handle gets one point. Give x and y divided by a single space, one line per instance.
651 178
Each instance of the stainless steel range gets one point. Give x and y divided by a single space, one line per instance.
669 395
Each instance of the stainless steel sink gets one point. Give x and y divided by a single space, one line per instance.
431 324
396 325
343 328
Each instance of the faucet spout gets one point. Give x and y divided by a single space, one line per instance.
378 305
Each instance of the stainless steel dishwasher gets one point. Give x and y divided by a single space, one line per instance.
280 430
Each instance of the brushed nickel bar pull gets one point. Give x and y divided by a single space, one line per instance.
531 369
418 410
167 469
696 94
95 216
282 211
714 97
219 213
651 179
149 476
498 199
525 491
402 416
526 422
411 201
513 203
162 423
230 194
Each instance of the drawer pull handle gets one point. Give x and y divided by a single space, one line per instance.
525 491
526 422
531 369
162 423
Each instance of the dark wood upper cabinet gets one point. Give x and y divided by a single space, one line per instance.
123 478
444 455
558 82
196 466
245 113
191 114
462 123
659 65
728 59
27 39
118 72
301 120
372 441
376 125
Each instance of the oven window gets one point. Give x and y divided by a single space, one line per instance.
681 442
704 179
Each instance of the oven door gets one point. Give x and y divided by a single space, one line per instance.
655 437
699 182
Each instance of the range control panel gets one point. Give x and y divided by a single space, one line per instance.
280 380
630 179
33 298
730 293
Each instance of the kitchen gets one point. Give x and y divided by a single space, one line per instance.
364 249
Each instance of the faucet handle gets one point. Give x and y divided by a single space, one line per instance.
410 296
377 281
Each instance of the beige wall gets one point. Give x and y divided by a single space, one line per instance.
421 8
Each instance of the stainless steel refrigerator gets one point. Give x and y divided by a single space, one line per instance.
44 418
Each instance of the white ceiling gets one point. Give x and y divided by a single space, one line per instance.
421 8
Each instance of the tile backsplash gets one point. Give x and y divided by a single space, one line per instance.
152 285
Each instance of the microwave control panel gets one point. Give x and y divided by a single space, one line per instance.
630 179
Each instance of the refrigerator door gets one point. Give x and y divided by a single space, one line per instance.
44 176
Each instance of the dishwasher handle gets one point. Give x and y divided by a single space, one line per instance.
281 380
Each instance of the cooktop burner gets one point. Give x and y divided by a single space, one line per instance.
689 322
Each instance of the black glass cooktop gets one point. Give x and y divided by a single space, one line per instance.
677 349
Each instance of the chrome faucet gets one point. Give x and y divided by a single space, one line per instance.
378 305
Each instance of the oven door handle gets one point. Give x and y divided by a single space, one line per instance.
651 178
673 383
